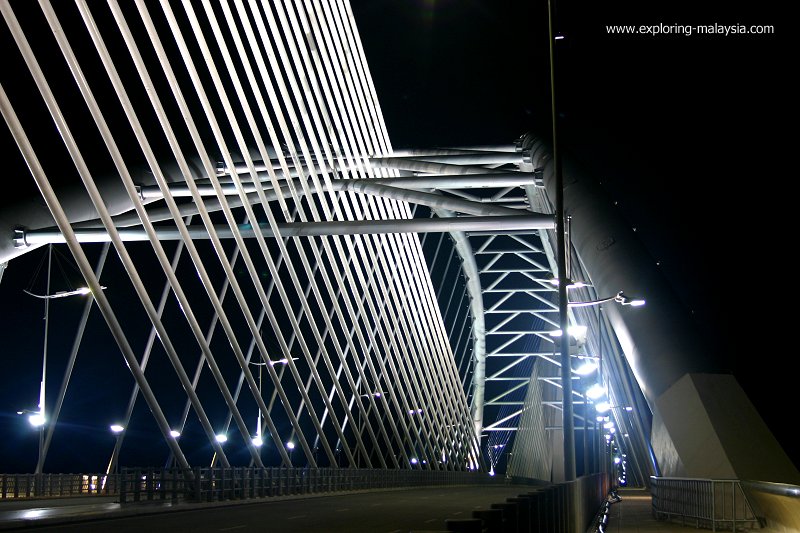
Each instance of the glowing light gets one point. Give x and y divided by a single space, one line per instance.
603 407
37 420
116 428
577 332
595 391
586 368
174 433
222 438
258 441
414 460
290 445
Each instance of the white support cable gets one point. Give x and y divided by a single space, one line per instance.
387 300
83 264
340 253
314 249
100 205
220 253
337 72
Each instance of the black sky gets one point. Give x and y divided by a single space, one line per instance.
689 135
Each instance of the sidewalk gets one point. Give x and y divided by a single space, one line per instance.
634 515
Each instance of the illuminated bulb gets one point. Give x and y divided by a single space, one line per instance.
603 407
595 391
586 368
116 428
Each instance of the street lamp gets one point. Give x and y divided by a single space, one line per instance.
38 420
619 298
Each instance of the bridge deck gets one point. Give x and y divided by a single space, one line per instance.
380 512
395 511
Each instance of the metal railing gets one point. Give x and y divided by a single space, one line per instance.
16 486
218 484
714 504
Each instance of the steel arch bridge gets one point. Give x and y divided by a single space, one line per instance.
263 280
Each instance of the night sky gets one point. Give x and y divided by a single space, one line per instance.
689 136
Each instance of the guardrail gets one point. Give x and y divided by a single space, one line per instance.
707 503
777 505
16 486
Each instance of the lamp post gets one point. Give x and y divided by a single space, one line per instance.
258 440
39 419
113 464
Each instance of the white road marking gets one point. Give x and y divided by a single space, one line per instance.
298 516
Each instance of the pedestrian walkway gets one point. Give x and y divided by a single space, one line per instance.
634 515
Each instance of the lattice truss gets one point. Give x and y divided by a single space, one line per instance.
212 146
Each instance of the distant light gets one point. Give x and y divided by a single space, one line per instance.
83 290
221 438
414 460
629 408
608 425
559 37
415 411
612 430
175 434
290 445
116 428
37 420
603 407
258 441
577 332
586 368
617 460
595 391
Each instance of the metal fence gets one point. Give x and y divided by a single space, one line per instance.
217 484
15 486
716 504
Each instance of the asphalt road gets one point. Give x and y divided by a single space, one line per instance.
400 511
